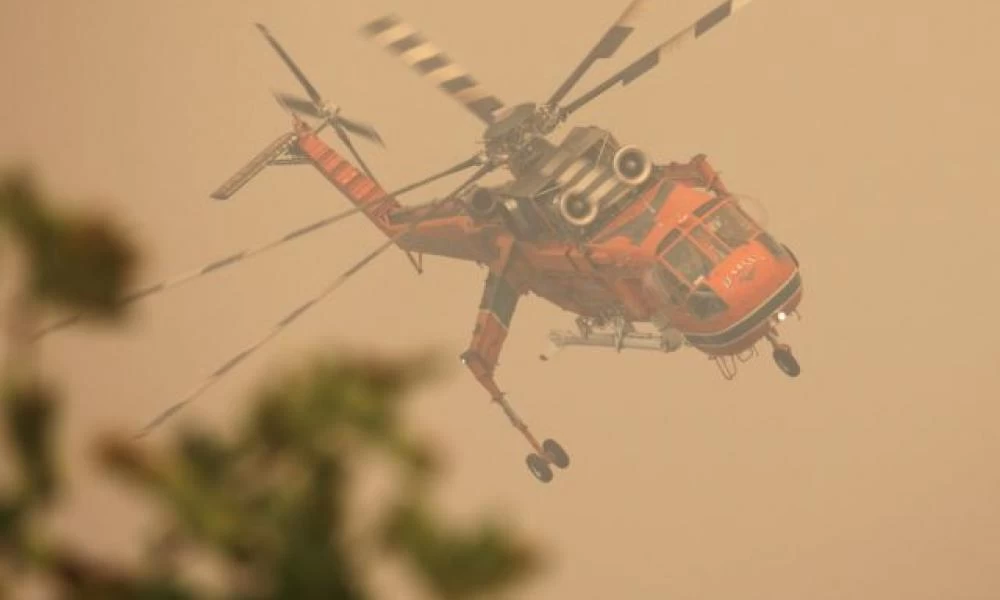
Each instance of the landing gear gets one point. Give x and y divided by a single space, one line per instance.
785 360
547 453
496 308
783 357
554 454
539 468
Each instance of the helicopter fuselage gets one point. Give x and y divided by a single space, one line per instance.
675 249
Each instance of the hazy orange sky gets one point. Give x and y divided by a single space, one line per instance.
869 129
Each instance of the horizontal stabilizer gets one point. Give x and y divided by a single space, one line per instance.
274 153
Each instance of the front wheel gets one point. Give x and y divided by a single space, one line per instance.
786 362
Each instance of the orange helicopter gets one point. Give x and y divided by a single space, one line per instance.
589 224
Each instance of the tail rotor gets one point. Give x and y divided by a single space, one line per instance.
315 106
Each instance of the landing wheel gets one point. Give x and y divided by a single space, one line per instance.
539 468
786 362
556 453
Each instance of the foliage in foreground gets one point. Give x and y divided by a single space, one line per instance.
270 504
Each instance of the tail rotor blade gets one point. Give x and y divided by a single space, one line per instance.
360 129
299 105
313 94
317 107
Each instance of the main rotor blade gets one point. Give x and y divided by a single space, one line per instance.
606 47
316 98
298 312
427 60
236 257
465 164
646 62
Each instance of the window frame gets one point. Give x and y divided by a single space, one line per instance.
736 214
677 267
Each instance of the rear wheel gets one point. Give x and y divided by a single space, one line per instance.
539 468
556 453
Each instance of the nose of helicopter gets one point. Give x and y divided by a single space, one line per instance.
757 284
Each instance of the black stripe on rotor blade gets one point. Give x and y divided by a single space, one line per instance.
606 47
485 107
414 44
713 18
407 43
381 24
641 66
458 84
429 65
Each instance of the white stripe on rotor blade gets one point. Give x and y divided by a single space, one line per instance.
446 73
394 34
677 41
471 94
422 52
632 13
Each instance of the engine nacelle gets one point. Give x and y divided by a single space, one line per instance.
631 165
482 203
577 209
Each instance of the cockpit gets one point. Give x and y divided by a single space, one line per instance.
689 253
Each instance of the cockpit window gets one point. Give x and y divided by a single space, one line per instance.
730 226
686 259
705 303
716 249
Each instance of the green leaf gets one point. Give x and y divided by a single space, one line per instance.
29 411
81 262
458 563
87 265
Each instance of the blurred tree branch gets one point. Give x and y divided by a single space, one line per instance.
270 504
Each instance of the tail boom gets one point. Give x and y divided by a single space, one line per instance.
361 190
445 231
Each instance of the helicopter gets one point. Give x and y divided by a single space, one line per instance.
647 255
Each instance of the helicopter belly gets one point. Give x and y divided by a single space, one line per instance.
579 295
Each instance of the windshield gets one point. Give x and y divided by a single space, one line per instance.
730 226
716 249
686 259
